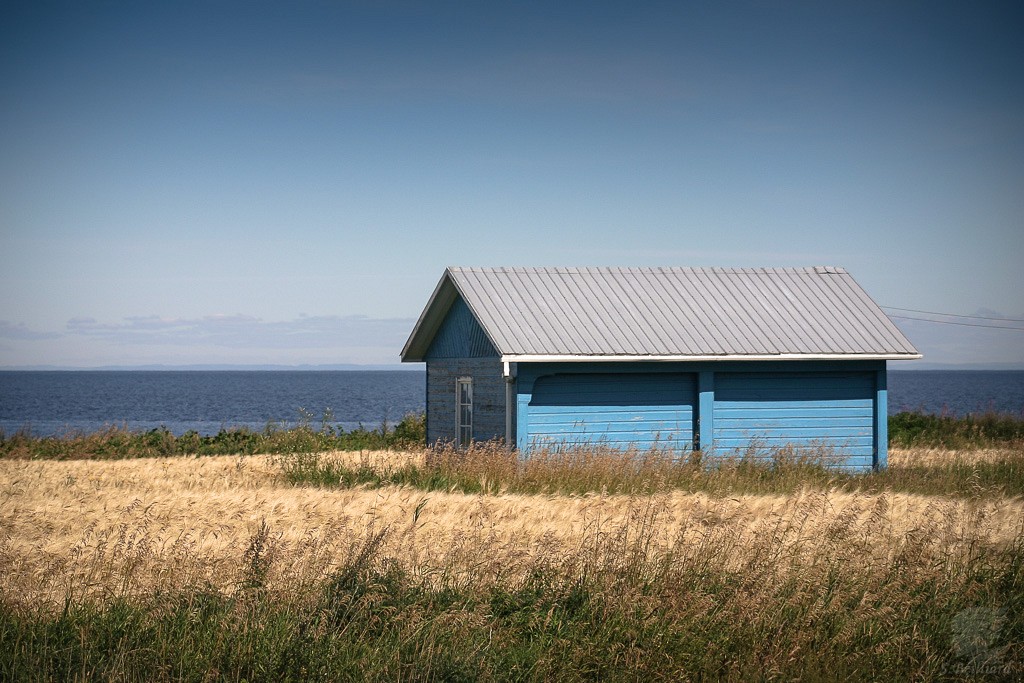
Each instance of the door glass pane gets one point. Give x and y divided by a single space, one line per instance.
464 411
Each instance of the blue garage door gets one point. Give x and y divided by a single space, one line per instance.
618 410
827 413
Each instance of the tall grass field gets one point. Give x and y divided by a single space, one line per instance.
311 562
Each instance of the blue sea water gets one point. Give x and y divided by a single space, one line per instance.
57 402
956 392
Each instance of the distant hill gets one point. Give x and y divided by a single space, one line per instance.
916 365
403 367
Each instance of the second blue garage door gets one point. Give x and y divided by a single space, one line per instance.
618 410
829 414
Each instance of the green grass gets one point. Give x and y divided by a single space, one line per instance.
118 442
926 430
1001 476
621 615
492 469
906 430
859 602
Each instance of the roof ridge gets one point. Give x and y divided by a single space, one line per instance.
656 311
748 270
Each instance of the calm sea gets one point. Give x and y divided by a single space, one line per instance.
58 402
205 401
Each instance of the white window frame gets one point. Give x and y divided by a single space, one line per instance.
463 431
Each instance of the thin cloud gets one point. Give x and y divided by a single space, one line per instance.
248 332
89 326
9 330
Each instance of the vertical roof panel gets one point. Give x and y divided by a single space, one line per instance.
693 312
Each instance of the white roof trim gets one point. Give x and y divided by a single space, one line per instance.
514 358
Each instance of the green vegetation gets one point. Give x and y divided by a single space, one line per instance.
832 612
925 430
846 581
906 430
493 469
118 442
1002 474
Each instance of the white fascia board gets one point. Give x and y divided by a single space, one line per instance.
527 358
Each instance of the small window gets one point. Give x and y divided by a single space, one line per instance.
464 410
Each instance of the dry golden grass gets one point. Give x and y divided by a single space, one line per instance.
379 460
77 528
932 457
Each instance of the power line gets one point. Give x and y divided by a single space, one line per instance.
953 322
952 315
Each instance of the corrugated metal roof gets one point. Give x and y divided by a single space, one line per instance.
667 312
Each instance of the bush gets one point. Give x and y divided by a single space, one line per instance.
926 430
120 442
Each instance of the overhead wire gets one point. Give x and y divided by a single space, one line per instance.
954 315
954 322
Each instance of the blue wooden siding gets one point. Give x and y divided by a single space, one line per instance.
617 410
461 349
488 398
830 413
881 418
460 336
734 406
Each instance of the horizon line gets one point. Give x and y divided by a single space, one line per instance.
398 367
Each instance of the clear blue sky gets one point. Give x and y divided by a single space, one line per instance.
249 182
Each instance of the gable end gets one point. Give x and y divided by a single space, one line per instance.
460 336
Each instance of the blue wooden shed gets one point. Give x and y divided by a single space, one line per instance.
724 360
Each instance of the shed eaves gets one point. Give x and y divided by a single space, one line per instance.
667 312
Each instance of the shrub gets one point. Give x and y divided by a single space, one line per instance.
947 431
120 442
